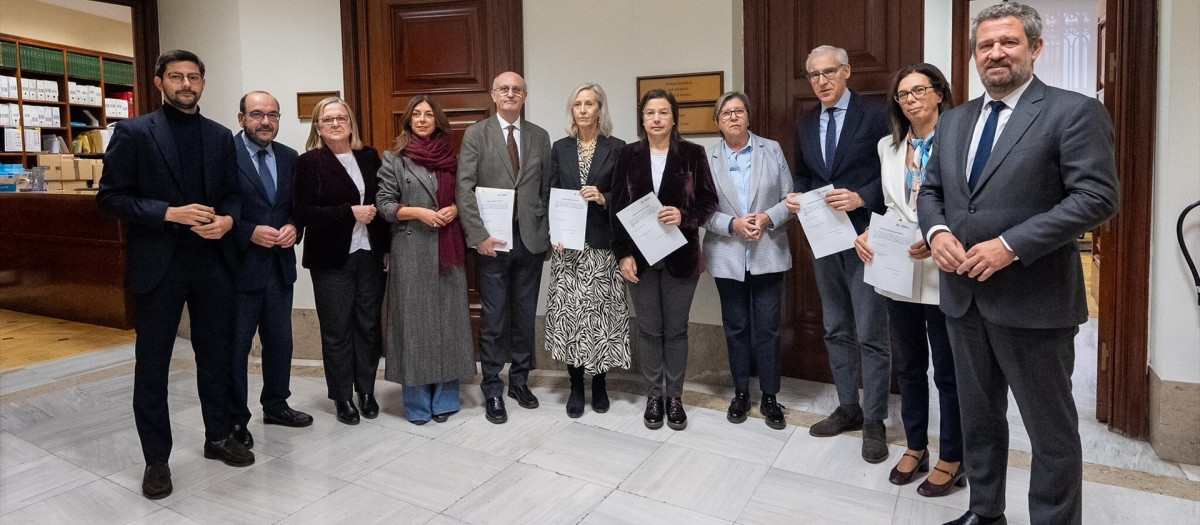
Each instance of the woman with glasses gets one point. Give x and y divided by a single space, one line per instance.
587 320
919 94
746 251
429 345
676 172
344 248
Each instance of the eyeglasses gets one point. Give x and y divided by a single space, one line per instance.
516 91
917 93
728 115
828 73
258 115
341 120
178 78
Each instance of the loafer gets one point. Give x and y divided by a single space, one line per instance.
441 418
874 446
654 413
523 395
845 419
495 410
897 477
738 407
366 402
242 435
286 417
931 490
156 481
229 451
971 518
676 417
346 413
772 412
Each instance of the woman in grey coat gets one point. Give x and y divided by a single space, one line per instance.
429 345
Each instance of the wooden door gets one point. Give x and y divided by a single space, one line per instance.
880 37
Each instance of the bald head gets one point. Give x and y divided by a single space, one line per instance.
509 92
259 117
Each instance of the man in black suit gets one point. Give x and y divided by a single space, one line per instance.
1015 177
266 236
171 175
835 144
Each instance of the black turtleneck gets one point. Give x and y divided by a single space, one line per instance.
189 145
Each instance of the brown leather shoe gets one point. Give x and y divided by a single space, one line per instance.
957 479
899 477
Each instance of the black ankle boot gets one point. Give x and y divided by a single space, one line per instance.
599 394
575 402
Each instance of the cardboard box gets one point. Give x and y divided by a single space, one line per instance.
72 185
33 139
4 87
97 170
69 170
53 165
5 119
12 139
13 90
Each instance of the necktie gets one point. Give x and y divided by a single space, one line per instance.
265 175
985 143
830 139
513 153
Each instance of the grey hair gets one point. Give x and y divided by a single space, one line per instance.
603 121
724 99
821 50
1028 16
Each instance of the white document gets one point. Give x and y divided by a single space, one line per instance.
496 211
654 239
568 218
891 268
828 231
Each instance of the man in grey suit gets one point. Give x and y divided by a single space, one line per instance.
1015 177
507 152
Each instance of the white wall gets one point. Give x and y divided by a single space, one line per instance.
1174 314
59 25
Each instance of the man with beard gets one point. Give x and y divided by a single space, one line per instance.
171 175
266 236
1015 177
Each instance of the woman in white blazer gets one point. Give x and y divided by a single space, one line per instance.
919 94
746 251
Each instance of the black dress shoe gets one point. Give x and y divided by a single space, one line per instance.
931 490
898 477
676 417
286 417
369 407
738 406
654 412
845 419
971 518
156 481
346 413
874 446
229 451
495 410
242 435
441 418
523 395
772 412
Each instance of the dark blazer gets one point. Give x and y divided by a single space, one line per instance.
255 265
1051 177
687 184
855 163
564 169
142 179
323 195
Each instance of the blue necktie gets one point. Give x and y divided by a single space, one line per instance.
985 143
265 175
830 139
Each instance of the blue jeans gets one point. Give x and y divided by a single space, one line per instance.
422 402
750 311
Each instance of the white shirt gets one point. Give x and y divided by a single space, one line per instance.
516 132
359 239
658 164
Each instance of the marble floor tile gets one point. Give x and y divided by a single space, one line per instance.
837 458
592 454
788 497
702 481
623 508
60 404
1109 504
91 361
100 502
279 440
442 519
912 512
352 454
190 470
20 379
62 433
106 454
524 494
752 440
15 451
1192 472
253 495
163 516
39 479
625 416
522 433
357 505
1102 447
445 473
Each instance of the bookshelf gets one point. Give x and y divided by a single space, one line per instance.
58 90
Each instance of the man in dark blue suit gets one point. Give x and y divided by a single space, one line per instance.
171 175
835 144
266 236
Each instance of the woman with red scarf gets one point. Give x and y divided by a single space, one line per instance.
429 345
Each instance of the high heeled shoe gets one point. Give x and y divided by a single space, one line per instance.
898 477
932 490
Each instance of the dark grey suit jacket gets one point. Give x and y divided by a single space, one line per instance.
1050 178
255 265
483 162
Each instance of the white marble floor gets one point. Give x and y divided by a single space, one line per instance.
70 455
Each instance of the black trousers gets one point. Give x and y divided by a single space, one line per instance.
199 277
348 301
508 290
267 311
918 331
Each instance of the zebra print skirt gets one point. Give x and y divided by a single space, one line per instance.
587 318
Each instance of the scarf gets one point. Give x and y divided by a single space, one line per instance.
914 176
437 156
